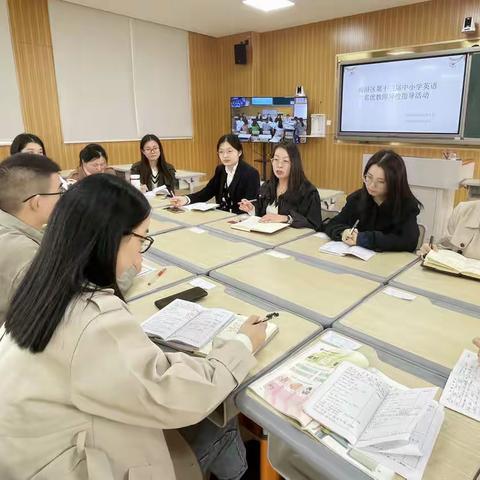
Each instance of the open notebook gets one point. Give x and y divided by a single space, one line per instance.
452 262
190 327
201 206
373 422
342 249
253 224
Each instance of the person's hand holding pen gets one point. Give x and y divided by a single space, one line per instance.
178 202
426 247
349 235
246 205
255 331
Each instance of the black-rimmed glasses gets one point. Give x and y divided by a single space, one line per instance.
147 241
61 191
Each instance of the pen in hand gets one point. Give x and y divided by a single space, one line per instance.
268 317
430 243
353 228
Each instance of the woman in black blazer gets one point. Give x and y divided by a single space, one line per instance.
288 197
233 180
385 208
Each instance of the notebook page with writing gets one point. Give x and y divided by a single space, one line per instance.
395 420
462 391
347 401
423 439
171 318
202 328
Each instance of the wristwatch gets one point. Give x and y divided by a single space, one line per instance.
290 219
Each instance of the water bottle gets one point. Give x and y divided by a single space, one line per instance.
135 180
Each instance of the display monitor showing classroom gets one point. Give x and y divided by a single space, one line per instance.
412 97
269 119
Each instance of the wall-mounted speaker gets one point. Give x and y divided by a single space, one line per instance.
240 50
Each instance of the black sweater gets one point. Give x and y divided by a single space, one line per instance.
245 184
303 205
378 228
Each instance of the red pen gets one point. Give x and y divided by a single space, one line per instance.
157 276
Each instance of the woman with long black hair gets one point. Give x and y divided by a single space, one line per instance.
85 394
288 197
153 168
384 211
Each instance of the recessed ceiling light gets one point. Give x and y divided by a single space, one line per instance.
269 5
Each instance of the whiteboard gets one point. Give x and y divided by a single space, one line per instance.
119 78
11 123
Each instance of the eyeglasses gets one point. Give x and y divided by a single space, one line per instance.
62 189
368 180
147 241
151 150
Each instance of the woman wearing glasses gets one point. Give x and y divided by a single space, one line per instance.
153 169
288 197
93 159
85 393
384 211
233 180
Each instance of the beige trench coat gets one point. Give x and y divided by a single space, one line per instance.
94 404
463 230
18 245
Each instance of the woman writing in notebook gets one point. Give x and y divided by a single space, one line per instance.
153 169
384 211
463 231
288 197
233 180
103 393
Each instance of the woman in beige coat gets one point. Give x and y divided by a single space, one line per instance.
463 231
85 394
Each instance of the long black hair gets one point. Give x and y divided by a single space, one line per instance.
297 179
20 141
146 169
78 254
399 196
234 141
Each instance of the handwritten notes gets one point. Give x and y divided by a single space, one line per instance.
462 391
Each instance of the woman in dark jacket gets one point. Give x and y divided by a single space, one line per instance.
385 208
233 180
153 169
288 197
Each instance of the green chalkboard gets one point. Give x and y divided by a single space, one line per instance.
472 118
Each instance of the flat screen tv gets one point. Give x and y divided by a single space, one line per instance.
269 119
419 97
